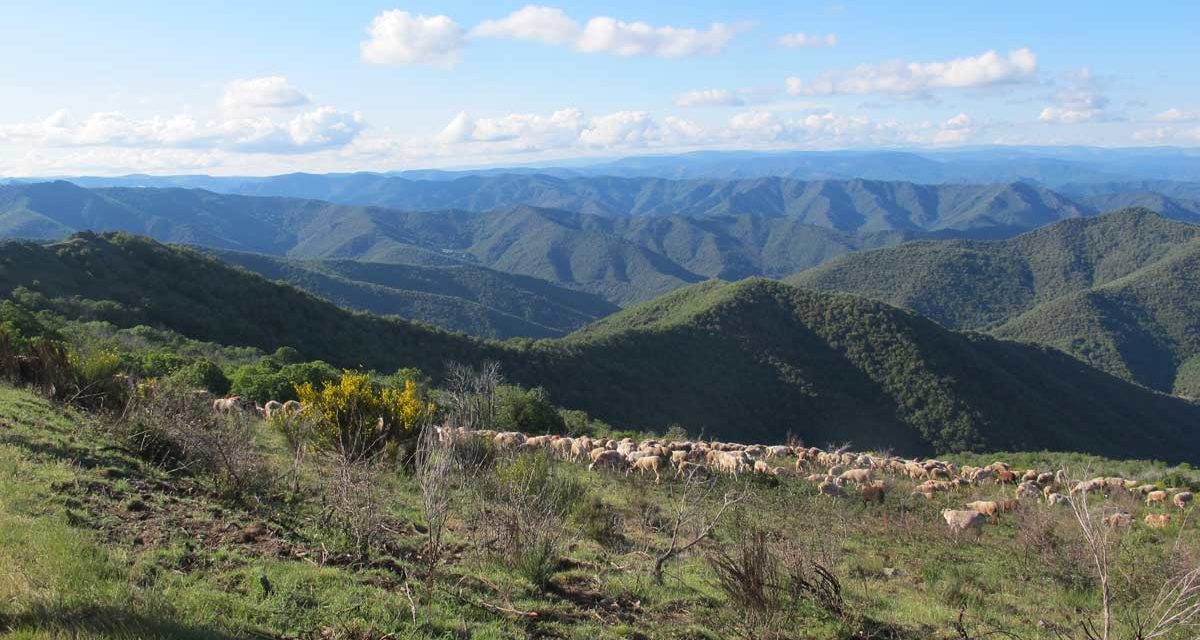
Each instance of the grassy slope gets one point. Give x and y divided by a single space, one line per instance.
470 299
78 559
749 360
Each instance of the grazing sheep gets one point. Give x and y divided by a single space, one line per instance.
1045 479
875 492
1009 505
646 464
225 406
986 507
1118 520
1056 499
859 476
272 408
1028 490
830 488
292 407
1182 499
608 459
1159 497
690 469
960 521
1158 521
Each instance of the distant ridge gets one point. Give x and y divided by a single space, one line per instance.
1118 291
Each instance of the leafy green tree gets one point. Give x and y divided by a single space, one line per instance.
267 380
202 374
527 410
158 364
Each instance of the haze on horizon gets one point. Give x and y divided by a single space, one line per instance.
267 87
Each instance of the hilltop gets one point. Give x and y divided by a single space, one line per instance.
1142 327
1115 291
979 284
751 360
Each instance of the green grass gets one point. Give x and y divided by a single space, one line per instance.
77 562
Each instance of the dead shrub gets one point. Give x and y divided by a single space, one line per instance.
178 430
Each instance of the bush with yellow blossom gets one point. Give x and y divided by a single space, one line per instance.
354 417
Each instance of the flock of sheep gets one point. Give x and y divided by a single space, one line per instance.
840 473
835 473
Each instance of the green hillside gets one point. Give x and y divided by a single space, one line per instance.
752 360
1142 327
979 285
459 297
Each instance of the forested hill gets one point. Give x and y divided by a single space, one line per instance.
752 360
1143 327
977 285
461 297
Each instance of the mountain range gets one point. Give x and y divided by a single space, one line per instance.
1120 291
625 240
1053 166
750 360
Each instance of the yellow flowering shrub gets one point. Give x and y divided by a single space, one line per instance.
354 416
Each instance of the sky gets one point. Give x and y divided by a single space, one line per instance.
260 88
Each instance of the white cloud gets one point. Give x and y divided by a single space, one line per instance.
531 22
919 78
270 92
459 129
808 41
1175 114
1080 100
401 38
516 131
322 128
602 34
955 130
606 35
708 98
620 129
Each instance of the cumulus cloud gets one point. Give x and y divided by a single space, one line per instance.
516 131
919 78
808 41
708 98
954 130
602 34
401 38
1081 100
270 92
322 128
540 24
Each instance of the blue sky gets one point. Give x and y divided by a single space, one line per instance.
268 87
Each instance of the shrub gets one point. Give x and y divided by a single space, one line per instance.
176 428
526 506
202 374
537 563
528 411
268 380
354 417
160 364
598 520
